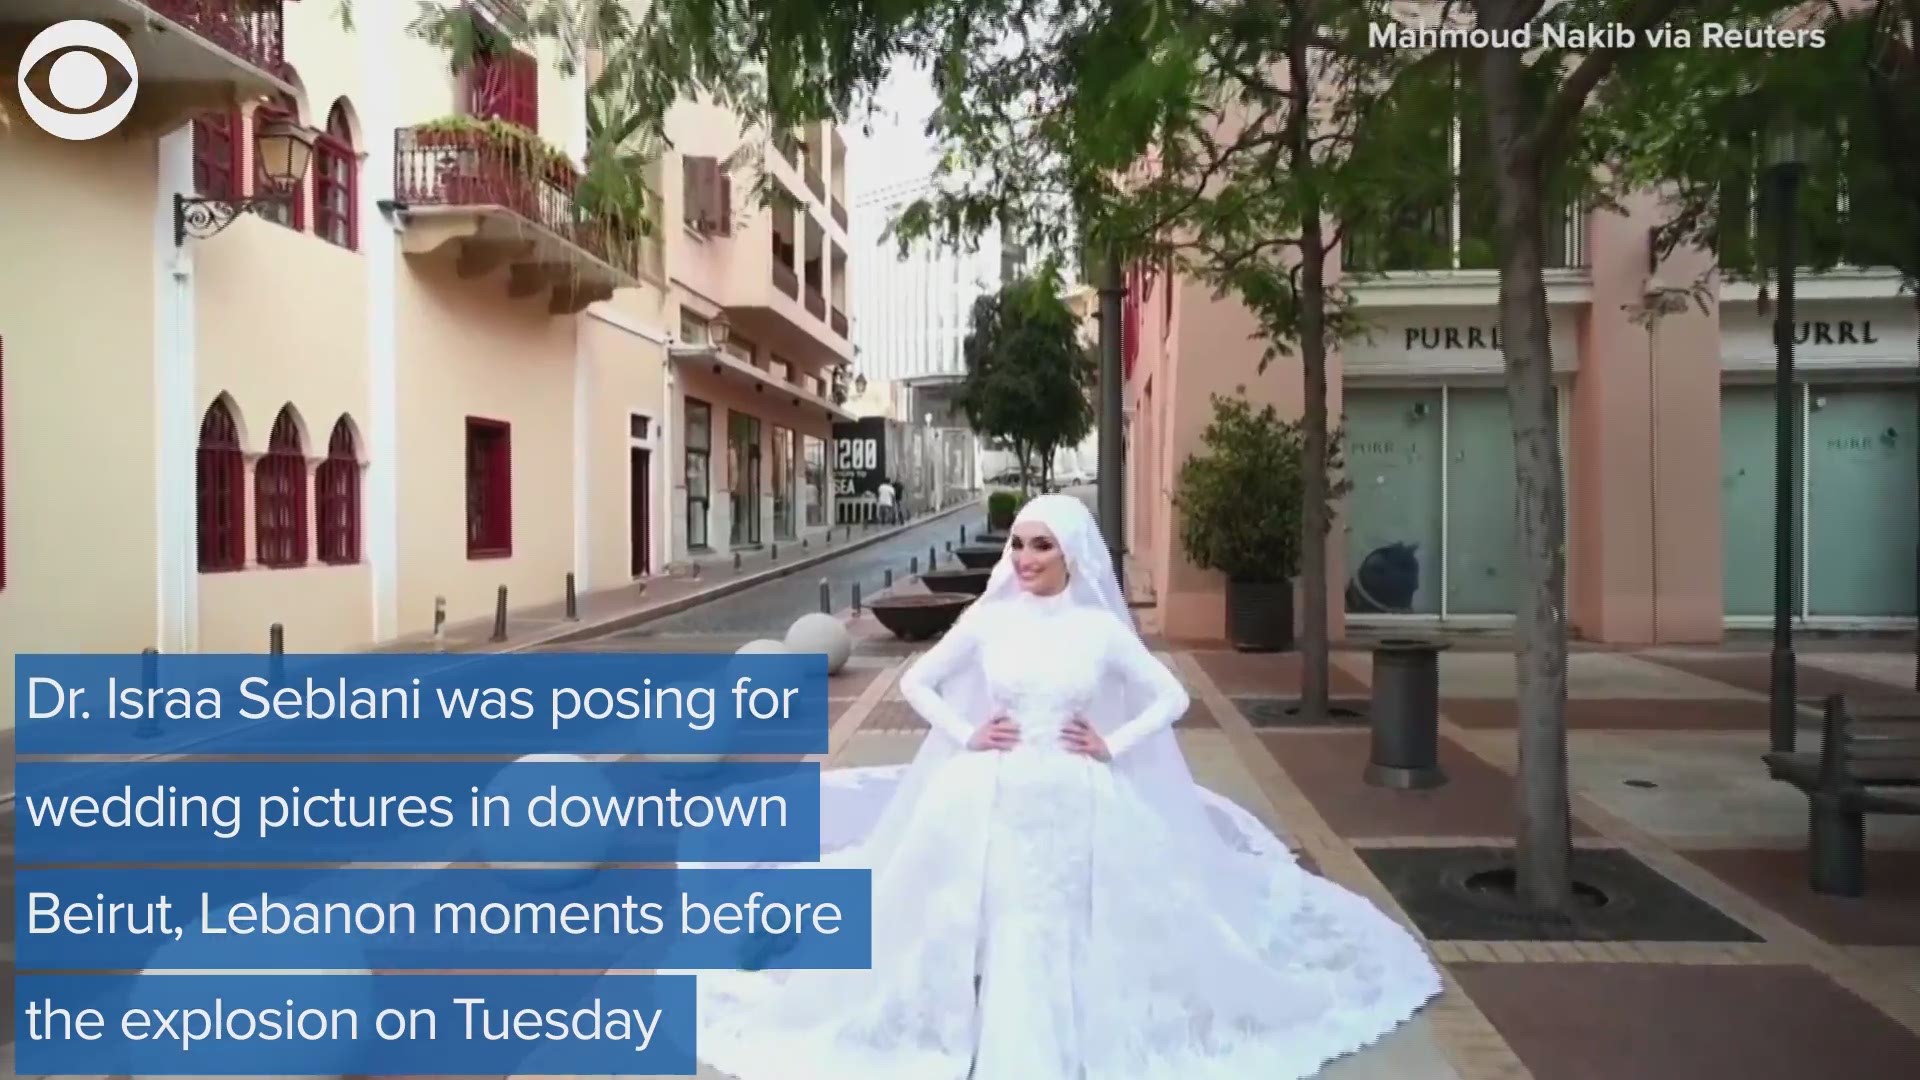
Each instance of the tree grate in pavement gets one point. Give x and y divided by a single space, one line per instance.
1284 712
1619 898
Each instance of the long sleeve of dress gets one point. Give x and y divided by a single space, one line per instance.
1167 700
920 684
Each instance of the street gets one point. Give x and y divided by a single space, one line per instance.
767 610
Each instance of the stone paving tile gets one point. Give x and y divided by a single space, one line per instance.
1590 675
852 680
1902 963
1752 672
1889 914
1618 714
1895 669
1271 674
1679 1022
1705 783
1477 800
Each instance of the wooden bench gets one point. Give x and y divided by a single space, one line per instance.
1868 763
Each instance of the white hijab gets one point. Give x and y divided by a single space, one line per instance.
1155 767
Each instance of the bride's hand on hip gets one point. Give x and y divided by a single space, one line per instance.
999 733
1081 738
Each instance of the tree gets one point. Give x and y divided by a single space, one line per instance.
1541 147
1029 380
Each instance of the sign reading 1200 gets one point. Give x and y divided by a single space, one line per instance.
856 455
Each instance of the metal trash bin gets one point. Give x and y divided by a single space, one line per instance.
1405 714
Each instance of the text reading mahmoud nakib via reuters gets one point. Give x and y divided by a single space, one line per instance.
542 912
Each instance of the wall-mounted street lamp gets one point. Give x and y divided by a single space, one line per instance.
282 152
859 385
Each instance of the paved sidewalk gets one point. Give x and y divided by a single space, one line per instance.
609 610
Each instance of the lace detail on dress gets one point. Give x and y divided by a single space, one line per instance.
1101 949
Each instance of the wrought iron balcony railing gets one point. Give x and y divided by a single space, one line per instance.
479 167
253 30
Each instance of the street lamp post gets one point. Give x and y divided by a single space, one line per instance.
1786 160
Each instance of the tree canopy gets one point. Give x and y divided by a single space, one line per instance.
1029 379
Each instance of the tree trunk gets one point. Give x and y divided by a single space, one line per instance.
1313 371
1545 844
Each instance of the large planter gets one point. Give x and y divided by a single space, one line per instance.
979 556
1260 615
971 582
919 616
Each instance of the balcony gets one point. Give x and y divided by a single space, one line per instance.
786 280
193 55
1444 255
839 322
816 304
839 212
814 183
500 198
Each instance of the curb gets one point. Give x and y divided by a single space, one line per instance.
742 583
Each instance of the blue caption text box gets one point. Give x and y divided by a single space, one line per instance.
406 811
247 919
386 1025
600 703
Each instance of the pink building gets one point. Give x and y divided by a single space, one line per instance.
1667 433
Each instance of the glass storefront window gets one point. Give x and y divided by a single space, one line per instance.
698 472
743 476
816 481
784 525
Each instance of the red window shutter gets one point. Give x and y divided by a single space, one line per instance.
723 211
527 76
503 488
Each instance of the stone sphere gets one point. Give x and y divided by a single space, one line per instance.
547 843
818 633
339 987
763 645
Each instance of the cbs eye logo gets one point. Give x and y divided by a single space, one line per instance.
68 83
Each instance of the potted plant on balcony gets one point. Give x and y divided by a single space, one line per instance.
1240 503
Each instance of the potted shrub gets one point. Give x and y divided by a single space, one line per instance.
1002 507
1240 509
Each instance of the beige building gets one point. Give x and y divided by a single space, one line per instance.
428 376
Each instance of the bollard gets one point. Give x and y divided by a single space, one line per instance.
949 547
439 624
913 565
736 562
1405 714
573 600
889 581
826 597
773 552
963 536
856 599
933 557
276 653
500 616
803 543
149 727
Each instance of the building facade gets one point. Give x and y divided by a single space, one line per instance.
918 306
426 377
1667 432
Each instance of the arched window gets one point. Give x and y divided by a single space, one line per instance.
294 215
280 497
336 486
221 499
336 183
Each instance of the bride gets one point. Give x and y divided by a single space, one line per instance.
1054 898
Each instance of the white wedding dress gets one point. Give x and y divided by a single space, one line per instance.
1039 915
